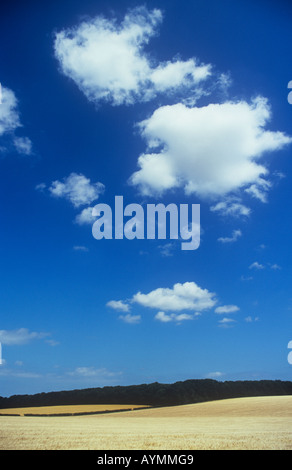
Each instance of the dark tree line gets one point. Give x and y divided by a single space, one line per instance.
155 394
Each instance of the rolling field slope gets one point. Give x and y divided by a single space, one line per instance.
241 423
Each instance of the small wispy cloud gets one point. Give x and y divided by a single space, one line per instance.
215 375
10 121
131 319
119 305
259 190
251 319
6 372
98 375
20 336
227 309
52 342
77 189
226 322
85 217
80 248
236 234
256 265
23 145
167 249
231 206
246 278
275 267
91 372
173 317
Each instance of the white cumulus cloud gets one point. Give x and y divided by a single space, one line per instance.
77 189
107 61
187 296
210 151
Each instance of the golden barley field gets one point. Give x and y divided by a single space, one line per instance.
261 423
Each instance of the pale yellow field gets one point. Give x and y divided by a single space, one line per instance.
243 423
65 409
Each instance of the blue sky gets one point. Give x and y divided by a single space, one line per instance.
180 102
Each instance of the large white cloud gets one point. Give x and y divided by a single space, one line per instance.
214 151
187 296
209 151
108 62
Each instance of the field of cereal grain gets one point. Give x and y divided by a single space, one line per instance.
258 423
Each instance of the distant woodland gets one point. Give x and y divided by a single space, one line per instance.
154 394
